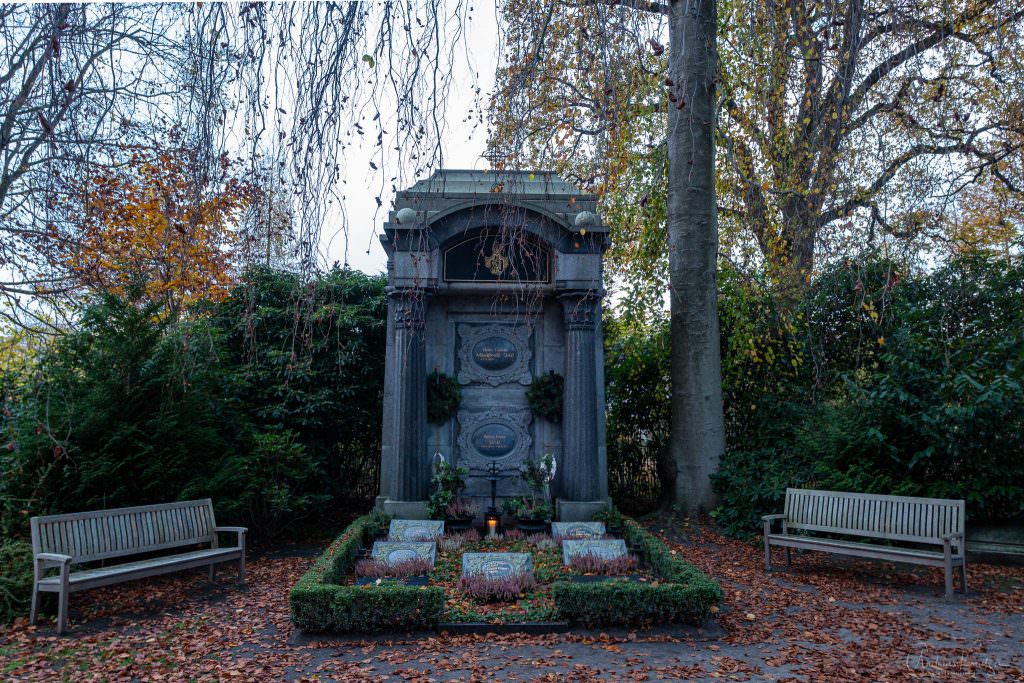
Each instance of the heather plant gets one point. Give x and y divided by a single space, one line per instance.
541 541
460 508
514 535
497 588
377 569
589 563
452 542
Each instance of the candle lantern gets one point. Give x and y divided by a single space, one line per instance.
493 519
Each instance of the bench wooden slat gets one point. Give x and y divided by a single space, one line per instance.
885 517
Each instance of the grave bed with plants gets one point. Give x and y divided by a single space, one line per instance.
658 587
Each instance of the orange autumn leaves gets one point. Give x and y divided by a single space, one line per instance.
153 229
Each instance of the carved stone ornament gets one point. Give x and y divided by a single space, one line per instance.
410 306
494 436
494 355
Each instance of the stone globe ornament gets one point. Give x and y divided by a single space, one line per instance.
585 220
406 216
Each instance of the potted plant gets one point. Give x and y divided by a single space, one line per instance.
533 512
459 514
446 502
531 516
612 519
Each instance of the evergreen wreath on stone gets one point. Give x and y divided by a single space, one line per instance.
545 396
443 397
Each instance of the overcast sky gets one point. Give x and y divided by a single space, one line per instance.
461 148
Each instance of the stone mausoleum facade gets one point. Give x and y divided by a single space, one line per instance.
494 278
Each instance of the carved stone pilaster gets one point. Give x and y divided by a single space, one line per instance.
411 479
580 478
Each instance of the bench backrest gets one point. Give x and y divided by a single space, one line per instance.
101 534
897 518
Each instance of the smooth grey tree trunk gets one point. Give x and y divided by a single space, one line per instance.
698 431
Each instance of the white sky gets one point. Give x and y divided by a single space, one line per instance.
461 148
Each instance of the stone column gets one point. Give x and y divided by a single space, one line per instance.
581 480
411 471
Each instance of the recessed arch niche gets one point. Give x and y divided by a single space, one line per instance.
497 254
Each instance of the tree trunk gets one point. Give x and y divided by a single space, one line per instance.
698 430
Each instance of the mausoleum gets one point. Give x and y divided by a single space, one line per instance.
494 279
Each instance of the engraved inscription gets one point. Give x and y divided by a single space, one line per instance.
494 353
494 440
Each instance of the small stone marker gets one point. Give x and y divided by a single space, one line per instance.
496 565
396 552
415 529
605 549
577 530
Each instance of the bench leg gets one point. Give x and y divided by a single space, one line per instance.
241 568
767 556
949 580
963 577
211 571
62 612
34 613
789 558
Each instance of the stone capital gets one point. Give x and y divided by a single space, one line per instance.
410 306
580 309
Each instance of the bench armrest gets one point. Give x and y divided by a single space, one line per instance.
239 530
768 519
957 536
53 558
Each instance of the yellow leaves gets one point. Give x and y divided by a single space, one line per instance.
149 224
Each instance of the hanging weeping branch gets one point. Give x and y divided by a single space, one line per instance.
288 88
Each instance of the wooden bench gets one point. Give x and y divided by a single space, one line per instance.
919 521
63 540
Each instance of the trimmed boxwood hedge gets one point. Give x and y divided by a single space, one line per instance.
319 604
682 594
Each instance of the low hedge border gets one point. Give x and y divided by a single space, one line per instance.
683 593
319 604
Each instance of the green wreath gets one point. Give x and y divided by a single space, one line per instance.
545 396
443 398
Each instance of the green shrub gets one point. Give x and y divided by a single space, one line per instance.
268 402
682 594
16 576
320 604
911 385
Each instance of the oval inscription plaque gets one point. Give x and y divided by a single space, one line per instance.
494 440
494 353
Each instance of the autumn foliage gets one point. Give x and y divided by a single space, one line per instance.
155 224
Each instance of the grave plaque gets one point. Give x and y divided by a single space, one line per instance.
415 529
605 549
396 552
494 353
496 565
577 530
493 440
501 436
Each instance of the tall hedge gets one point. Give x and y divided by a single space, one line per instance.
269 402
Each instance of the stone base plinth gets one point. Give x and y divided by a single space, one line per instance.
578 510
403 509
